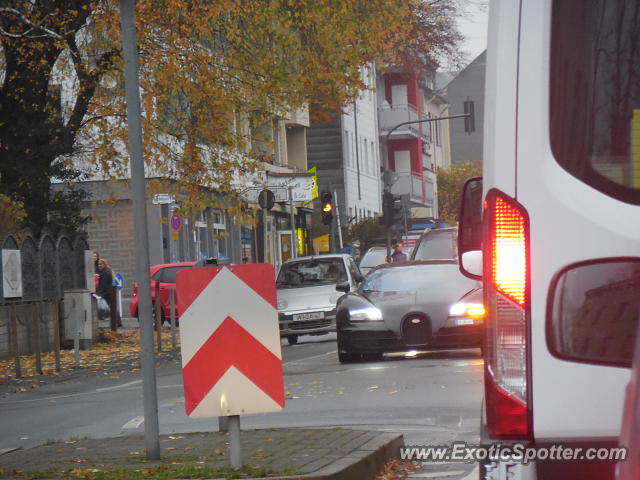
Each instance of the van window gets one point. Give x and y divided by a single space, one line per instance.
594 102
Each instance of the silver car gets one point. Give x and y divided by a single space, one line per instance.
307 293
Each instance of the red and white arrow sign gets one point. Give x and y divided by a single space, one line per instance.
231 357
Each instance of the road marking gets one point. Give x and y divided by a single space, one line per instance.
451 473
133 423
116 387
9 450
309 358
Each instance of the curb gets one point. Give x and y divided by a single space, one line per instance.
362 464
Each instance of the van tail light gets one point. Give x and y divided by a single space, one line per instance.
506 290
135 289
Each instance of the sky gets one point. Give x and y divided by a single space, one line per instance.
473 25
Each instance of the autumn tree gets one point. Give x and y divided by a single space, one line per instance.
365 233
450 183
210 73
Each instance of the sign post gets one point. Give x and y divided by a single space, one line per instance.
231 355
119 281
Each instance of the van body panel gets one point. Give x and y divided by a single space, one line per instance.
500 93
570 221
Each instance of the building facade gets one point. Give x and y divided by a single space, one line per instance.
346 152
465 94
415 151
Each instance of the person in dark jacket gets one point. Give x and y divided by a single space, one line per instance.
96 259
398 255
106 280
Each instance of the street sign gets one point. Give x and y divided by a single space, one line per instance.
230 340
11 274
119 281
266 199
176 222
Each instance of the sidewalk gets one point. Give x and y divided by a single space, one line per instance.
311 454
276 453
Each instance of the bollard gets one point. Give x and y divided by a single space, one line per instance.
235 453
56 332
113 308
158 319
13 339
173 319
35 318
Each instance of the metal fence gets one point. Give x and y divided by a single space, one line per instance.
35 273
48 266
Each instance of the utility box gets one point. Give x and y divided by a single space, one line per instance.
78 316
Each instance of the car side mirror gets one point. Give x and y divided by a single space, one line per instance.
471 262
343 287
592 312
470 227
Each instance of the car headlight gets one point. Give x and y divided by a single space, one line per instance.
465 309
366 313
282 304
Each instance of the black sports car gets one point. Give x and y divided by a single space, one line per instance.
407 306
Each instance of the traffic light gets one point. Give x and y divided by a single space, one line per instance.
327 208
393 209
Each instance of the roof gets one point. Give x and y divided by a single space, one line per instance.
322 255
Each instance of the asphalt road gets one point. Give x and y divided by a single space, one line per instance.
432 398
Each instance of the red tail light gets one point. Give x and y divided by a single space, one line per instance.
135 289
506 290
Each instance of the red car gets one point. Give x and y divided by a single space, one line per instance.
165 275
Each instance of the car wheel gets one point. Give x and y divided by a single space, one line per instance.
348 357
292 339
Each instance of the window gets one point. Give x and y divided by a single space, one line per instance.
347 159
367 160
594 101
374 162
437 245
168 275
411 278
311 272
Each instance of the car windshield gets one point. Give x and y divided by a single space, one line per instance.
373 257
316 271
410 277
437 245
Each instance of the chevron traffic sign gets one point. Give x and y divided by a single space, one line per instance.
230 340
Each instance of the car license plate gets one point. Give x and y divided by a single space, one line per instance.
464 321
308 316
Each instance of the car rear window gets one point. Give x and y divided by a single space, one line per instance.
373 258
594 102
437 245
168 274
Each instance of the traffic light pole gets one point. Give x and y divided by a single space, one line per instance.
337 209
385 159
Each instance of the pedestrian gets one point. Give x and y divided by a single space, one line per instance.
96 258
106 281
398 255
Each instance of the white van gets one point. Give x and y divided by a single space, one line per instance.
560 227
